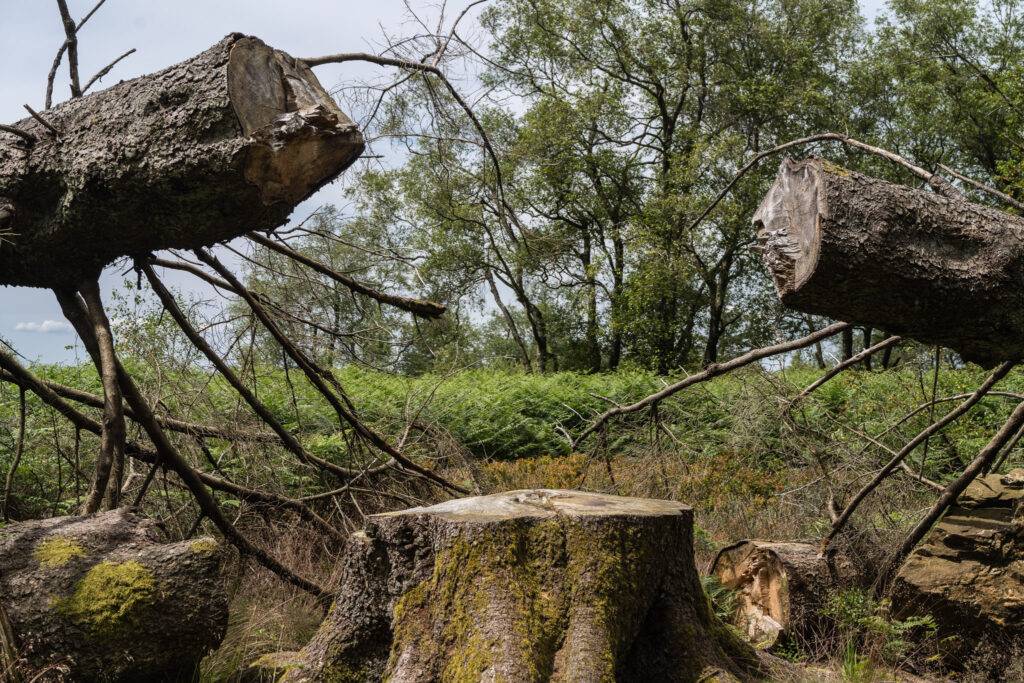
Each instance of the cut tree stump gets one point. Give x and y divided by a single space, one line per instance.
204 151
525 586
914 263
104 595
782 587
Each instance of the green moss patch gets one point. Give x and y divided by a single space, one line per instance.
57 552
106 601
205 546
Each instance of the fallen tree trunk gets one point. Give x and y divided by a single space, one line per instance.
104 594
870 252
781 587
222 144
525 586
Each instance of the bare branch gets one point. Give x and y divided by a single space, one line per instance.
424 309
984 188
71 31
709 372
28 137
46 124
842 366
978 394
105 70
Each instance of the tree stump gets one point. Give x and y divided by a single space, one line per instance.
870 252
525 586
782 587
206 150
103 591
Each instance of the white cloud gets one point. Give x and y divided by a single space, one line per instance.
46 327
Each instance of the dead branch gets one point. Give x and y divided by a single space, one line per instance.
424 309
112 440
76 312
105 70
46 124
984 188
19 449
978 394
27 137
950 494
839 367
315 379
709 372
71 31
264 413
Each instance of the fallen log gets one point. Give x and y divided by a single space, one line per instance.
209 149
525 586
966 575
103 594
854 248
781 588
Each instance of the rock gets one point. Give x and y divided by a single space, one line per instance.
969 573
782 587
525 586
103 591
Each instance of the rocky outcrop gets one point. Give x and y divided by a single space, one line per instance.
525 586
105 594
969 573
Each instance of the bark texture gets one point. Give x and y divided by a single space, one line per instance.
968 575
525 586
782 587
914 263
104 591
206 150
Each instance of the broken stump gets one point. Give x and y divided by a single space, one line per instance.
525 586
782 587
103 592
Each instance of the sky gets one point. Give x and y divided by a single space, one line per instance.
165 33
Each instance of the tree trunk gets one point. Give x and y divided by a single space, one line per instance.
525 586
870 252
782 587
221 144
105 591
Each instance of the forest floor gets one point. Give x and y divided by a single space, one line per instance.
730 448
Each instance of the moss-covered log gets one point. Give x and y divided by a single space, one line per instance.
917 264
206 150
104 592
782 587
525 586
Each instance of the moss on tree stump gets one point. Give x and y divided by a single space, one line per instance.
105 592
525 586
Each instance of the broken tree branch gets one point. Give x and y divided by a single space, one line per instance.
314 378
424 309
839 367
907 449
709 372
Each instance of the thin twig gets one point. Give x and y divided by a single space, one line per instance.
835 370
978 394
105 70
984 188
28 137
19 449
710 372
46 124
